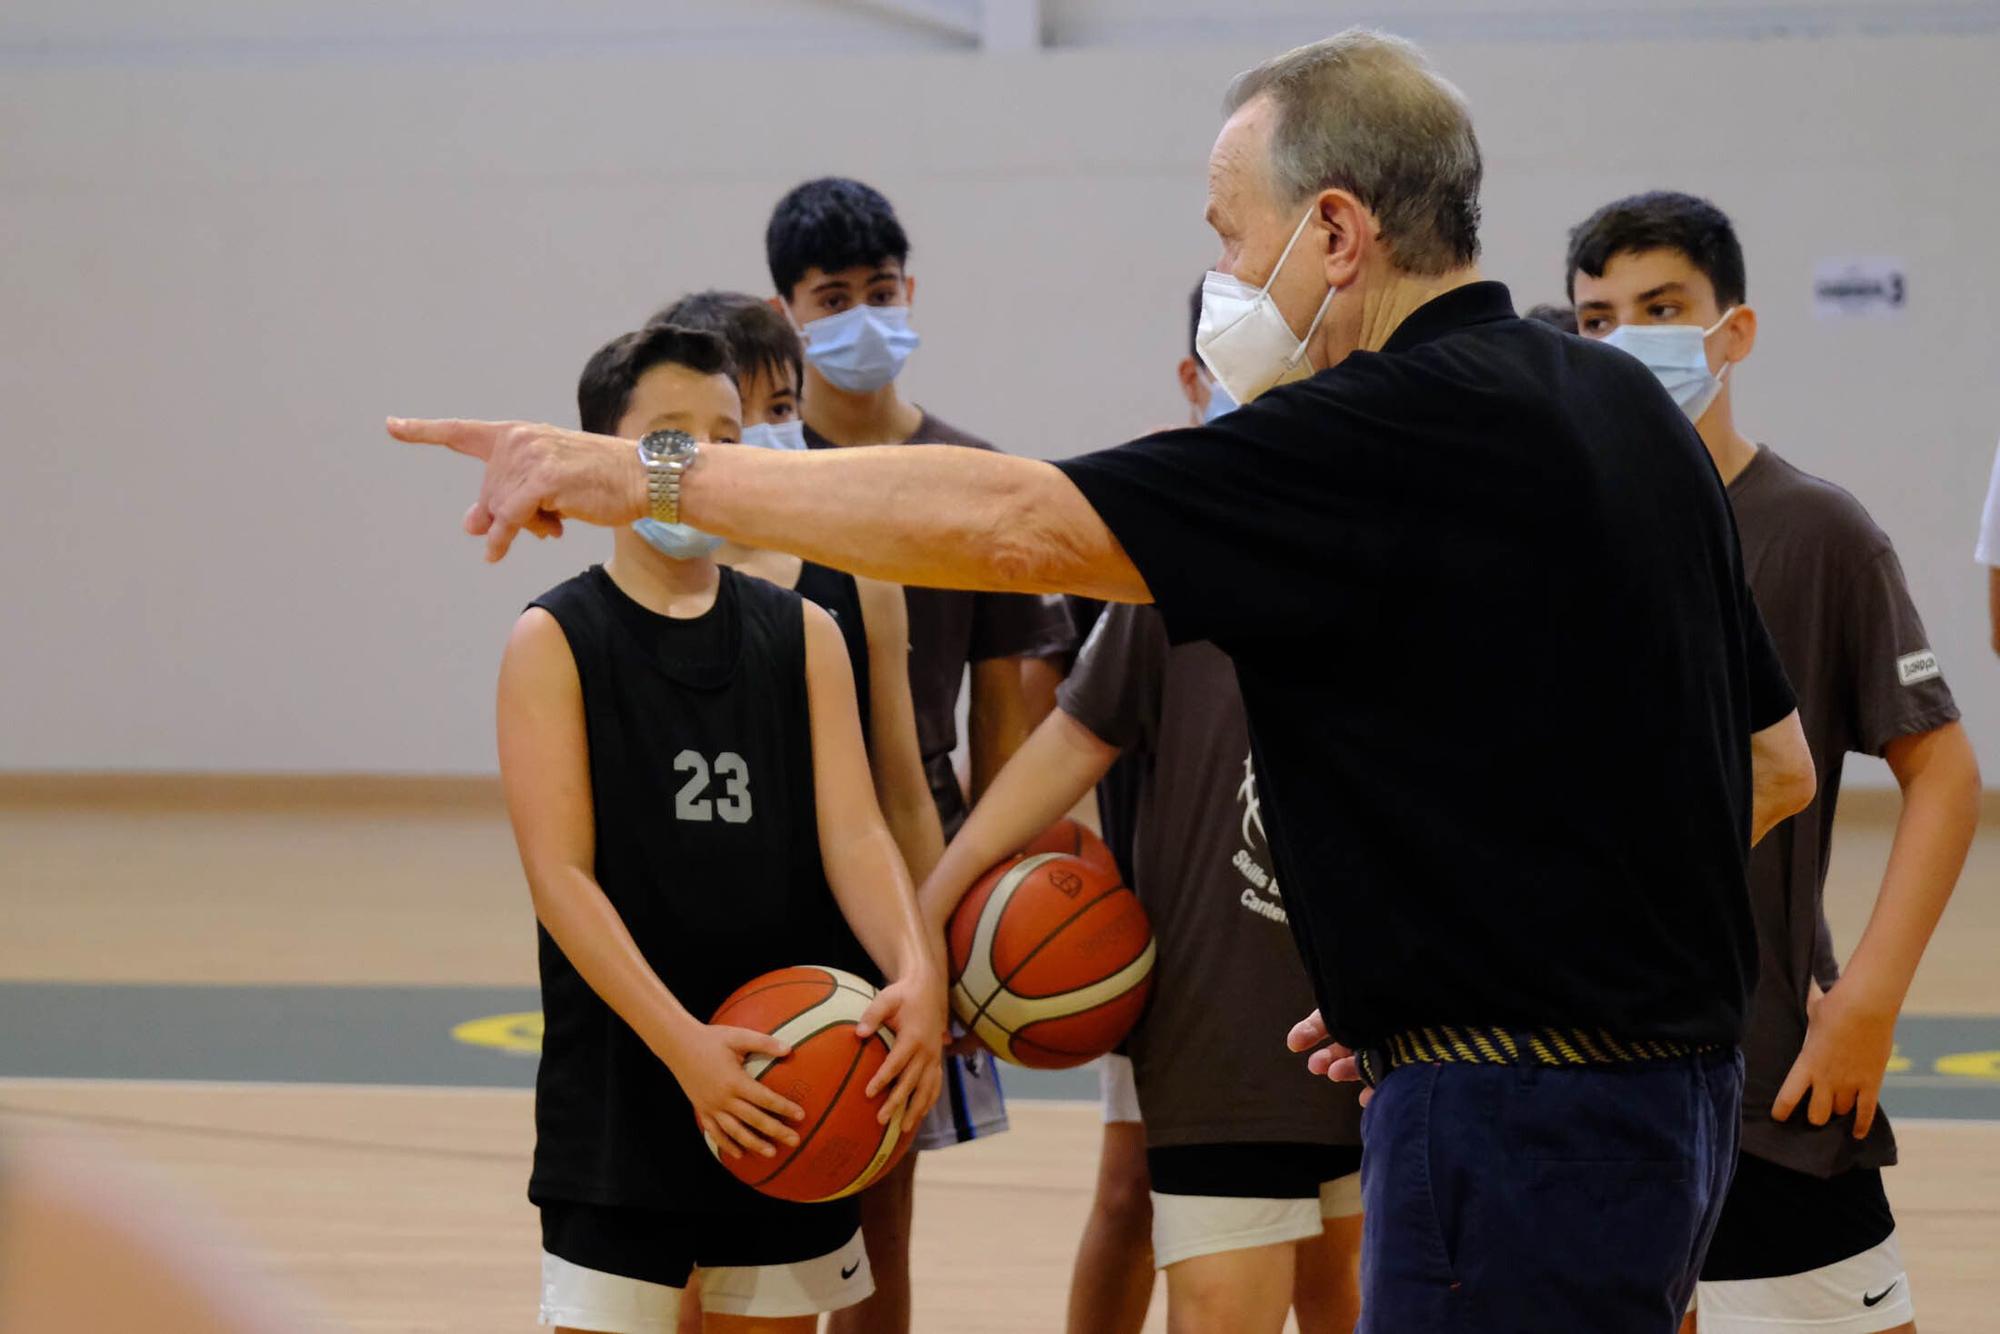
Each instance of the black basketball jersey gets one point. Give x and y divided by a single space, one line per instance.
836 591
708 848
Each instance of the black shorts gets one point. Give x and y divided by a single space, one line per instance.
660 1247
1250 1171
1777 1222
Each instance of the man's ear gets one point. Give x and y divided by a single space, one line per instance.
1349 229
909 290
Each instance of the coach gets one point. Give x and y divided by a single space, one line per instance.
1515 717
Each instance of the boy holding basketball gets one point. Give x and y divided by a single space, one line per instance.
686 778
1254 1165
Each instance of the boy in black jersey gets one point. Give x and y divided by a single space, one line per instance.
684 769
872 616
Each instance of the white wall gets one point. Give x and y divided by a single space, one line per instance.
219 275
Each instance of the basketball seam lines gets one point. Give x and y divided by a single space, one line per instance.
831 1103
1001 982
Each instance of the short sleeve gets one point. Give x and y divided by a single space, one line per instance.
1020 625
1771 697
1898 685
1220 519
1988 550
1115 687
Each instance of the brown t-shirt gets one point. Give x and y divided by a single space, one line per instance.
949 629
1832 593
1209 1056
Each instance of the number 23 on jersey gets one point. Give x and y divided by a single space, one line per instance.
697 799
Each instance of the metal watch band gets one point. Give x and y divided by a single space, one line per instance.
664 471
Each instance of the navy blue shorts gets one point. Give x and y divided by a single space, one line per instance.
1523 1199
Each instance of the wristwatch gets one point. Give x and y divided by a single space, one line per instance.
667 455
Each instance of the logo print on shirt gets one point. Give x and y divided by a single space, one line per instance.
1919 666
1253 809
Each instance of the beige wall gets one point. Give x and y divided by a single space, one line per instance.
219 278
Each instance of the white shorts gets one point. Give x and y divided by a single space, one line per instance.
1116 1089
1862 1294
971 1106
1188 1226
580 1298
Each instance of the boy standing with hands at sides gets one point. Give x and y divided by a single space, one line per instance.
1807 1240
684 770
837 254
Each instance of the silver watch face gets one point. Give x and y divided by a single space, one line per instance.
663 445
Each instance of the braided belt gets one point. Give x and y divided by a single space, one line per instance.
1456 1044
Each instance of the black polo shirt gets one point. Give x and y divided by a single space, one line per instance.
1484 596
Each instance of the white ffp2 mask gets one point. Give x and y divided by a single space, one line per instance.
1242 336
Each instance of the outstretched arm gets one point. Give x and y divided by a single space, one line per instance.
932 515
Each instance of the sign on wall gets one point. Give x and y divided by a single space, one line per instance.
1845 289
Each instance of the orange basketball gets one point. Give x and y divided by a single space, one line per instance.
1051 960
1076 839
842 1148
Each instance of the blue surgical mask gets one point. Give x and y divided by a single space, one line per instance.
776 435
862 348
1677 355
1219 403
676 541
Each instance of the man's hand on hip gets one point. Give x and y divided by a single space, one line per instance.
537 476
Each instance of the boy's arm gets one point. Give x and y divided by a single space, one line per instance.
997 719
545 771
870 881
1852 1027
900 784
1048 775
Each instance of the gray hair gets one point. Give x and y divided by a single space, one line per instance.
1364 112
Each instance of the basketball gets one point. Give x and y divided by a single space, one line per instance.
1076 839
842 1148
1051 960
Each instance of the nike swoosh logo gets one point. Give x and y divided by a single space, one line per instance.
855 1268
1867 1300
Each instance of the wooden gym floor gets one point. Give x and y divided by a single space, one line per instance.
402 1208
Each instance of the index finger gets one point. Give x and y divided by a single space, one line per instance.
466 437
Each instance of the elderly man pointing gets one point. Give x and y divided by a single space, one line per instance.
1514 715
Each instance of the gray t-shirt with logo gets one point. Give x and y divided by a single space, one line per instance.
1209 1056
1833 595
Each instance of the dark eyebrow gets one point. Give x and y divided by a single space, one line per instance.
1663 289
829 284
1599 304
881 275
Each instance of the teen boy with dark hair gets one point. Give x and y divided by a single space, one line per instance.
1806 1238
837 254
